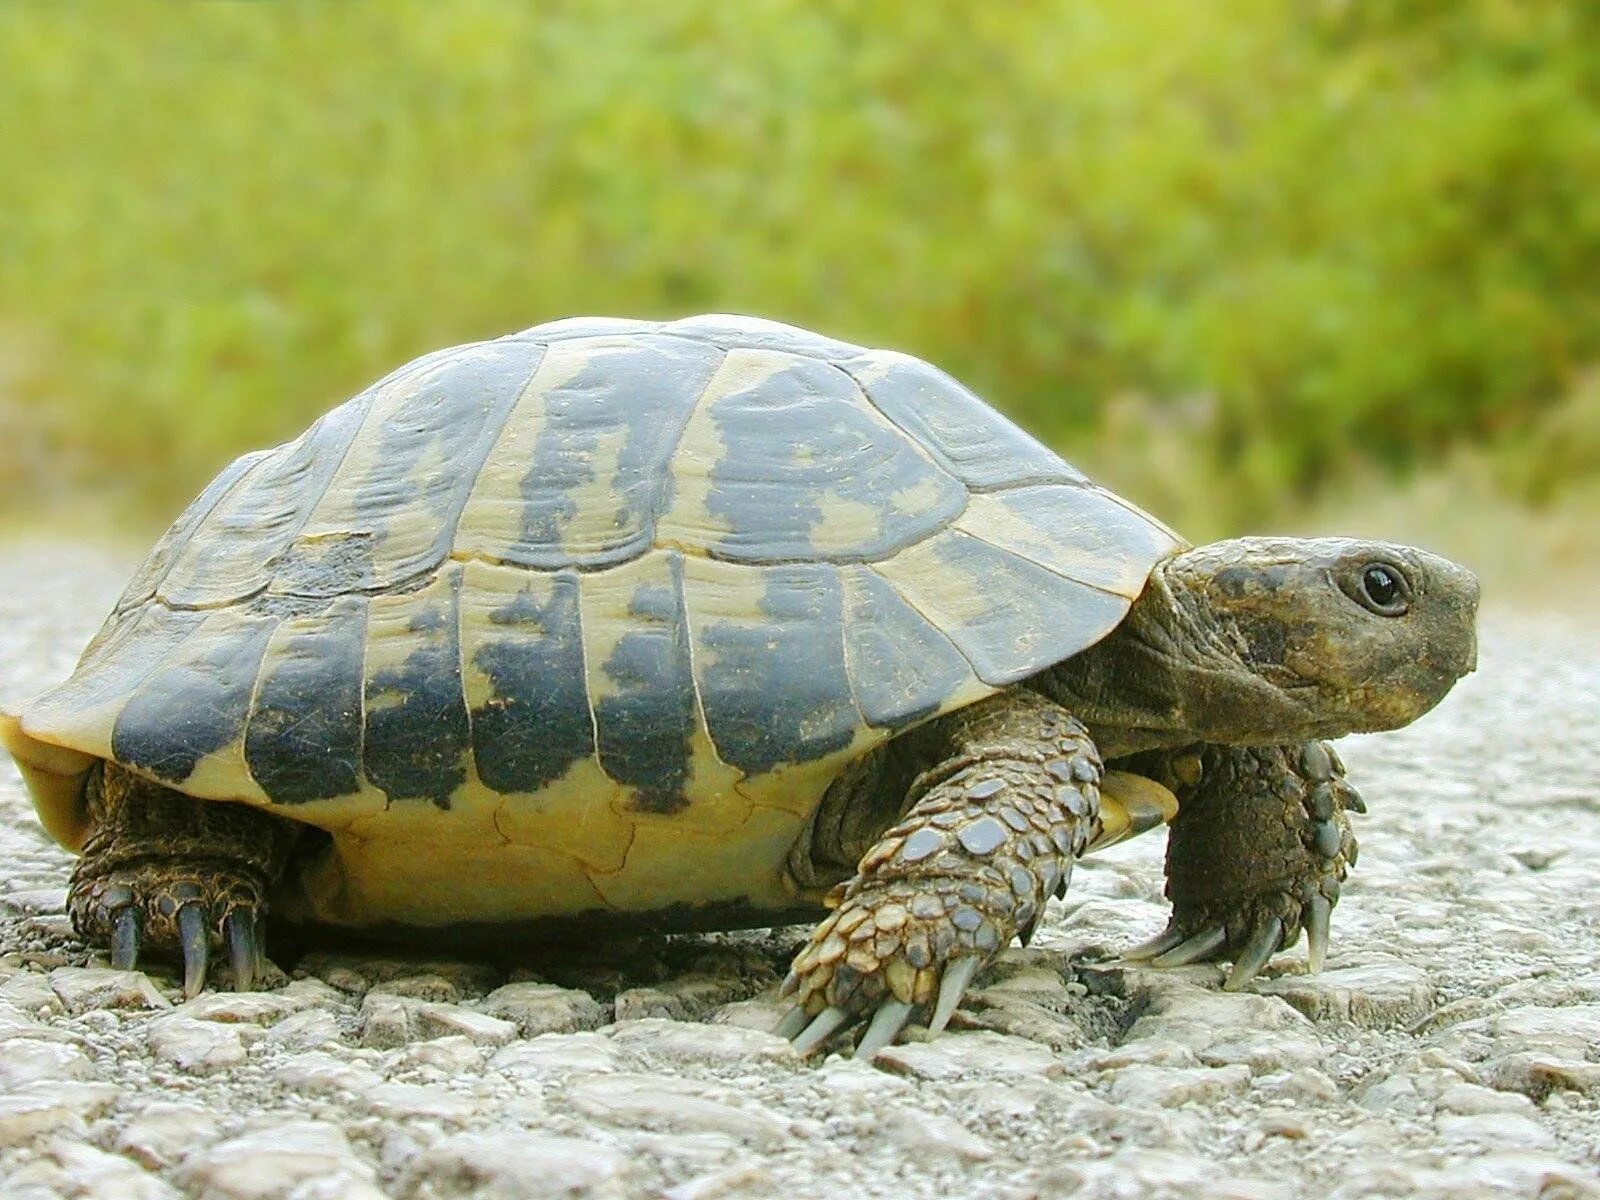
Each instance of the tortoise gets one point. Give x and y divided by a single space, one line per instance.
709 624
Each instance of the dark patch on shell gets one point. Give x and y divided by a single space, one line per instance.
303 741
536 724
645 725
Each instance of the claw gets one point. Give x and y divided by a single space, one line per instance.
1160 944
956 978
195 940
1263 944
793 1022
885 1027
125 938
1318 918
791 984
240 929
828 1020
1201 945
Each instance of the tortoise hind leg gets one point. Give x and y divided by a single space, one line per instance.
165 871
1258 851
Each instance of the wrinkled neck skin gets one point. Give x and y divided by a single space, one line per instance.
1171 675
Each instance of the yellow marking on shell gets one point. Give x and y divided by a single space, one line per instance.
672 864
54 776
920 496
599 520
689 524
470 875
845 524
875 365
1129 805
575 815
949 597
1070 550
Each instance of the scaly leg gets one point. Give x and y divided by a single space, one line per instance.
166 871
992 830
1257 852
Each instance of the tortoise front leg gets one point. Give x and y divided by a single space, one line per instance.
1257 852
165 871
1010 799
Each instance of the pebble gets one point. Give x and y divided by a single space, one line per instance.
83 988
1226 1028
537 1008
95 1173
161 1134
687 998
683 1043
1376 996
1169 1087
555 1054
443 1020
679 1105
970 1056
31 992
410 1101
924 1135
26 1116
25 1060
509 1164
273 1162
198 1047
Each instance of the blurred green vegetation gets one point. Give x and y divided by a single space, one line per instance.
1224 255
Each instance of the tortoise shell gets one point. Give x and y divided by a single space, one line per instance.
533 623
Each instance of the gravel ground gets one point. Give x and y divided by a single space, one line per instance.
1452 1048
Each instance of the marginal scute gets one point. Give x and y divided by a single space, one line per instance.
417 737
522 650
1009 616
303 741
196 702
769 660
641 685
902 668
1082 532
82 711
968 438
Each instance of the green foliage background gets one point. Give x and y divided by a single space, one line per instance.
1221 253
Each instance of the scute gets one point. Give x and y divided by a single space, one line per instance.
631 572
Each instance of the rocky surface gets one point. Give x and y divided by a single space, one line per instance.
1451 1050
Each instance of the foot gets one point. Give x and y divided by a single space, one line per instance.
969 868
165 872
175 910
1258 851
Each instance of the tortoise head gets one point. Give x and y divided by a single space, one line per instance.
1299 638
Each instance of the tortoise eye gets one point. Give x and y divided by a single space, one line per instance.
1384 590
